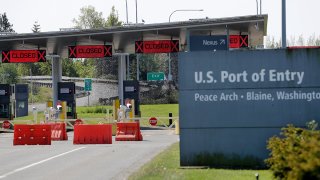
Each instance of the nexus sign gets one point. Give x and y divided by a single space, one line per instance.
23 56
92 51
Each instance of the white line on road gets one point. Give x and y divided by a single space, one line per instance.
39 162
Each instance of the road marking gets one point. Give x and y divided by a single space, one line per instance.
39 162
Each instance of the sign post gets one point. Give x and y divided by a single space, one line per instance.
88 87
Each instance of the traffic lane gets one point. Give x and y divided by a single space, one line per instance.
15 157
115 161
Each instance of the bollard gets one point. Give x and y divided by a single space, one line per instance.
170 119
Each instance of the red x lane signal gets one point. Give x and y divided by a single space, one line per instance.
23 56
157 46
243 40
72 52
174 46
5 56
90 51
139 47
42 56
107 51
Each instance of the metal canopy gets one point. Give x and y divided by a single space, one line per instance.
123 38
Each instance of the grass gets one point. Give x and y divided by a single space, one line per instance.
166 166
159 110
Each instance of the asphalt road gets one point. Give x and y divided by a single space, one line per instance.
63 160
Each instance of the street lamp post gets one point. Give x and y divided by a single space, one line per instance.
127 11
169 63
183 10
136 12
258 7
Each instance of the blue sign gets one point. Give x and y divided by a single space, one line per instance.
208 43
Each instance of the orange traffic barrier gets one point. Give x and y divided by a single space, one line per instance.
92 134
58 131
32 134
128 131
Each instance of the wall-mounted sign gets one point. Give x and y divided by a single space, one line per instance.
208 43
157 46
23 56
90 51
238 41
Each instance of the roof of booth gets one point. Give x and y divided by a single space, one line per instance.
122 38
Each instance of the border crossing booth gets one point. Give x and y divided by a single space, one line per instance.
66 92
5 104
131 90
19 99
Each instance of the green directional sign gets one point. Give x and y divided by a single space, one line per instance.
155 76
87 84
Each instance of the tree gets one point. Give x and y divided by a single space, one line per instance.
8 73
36 27
5 25
68 68
300 41
89 19
113 18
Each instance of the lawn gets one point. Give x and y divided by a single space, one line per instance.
166 166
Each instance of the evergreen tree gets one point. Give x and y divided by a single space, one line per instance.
5 25
36 27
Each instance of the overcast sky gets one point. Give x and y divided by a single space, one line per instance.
54 14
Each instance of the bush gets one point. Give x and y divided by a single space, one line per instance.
40 95
95 109
297 154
